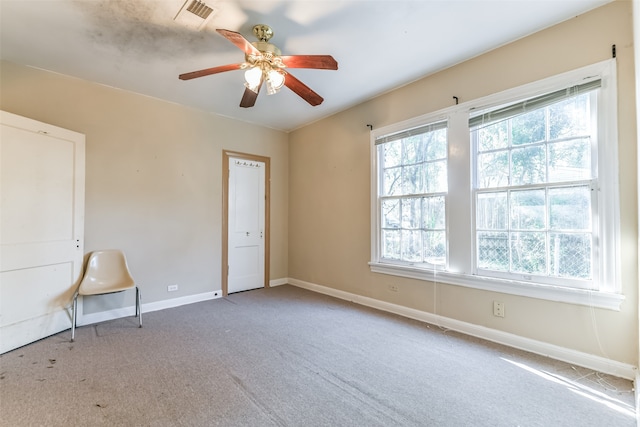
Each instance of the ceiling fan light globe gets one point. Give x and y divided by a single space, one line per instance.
271 89
253 78
275 80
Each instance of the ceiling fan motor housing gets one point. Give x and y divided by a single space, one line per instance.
267 48
269 51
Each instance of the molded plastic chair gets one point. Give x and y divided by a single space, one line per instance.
107 272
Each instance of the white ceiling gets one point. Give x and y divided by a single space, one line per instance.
379 45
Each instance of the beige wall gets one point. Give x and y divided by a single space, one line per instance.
153 177
329 196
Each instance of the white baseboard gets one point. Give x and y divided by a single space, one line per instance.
586 360
89 319
278 282
177 302
102 316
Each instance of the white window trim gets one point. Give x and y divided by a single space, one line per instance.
460 266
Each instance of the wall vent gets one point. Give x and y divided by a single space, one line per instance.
194 14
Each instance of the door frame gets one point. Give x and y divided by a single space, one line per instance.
226 156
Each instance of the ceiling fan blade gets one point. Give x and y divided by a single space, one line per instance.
249 98
239 40
302 90
209 71
321 62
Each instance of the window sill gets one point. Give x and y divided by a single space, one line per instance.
606 300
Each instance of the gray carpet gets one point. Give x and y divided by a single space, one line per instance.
289 357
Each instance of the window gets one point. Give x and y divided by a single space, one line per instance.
535 187
413 185
515 192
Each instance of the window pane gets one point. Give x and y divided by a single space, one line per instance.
411 213
528 128
391 154
391 180
570 255
528 253
493 137
571 117
491 211
391 244
434 246
570 208
528 165
390 213
435 144
527 210
433 216
493 251
412 180
493 169
570 160
413 150
436 176
412 245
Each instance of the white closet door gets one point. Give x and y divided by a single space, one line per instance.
246 225
42 171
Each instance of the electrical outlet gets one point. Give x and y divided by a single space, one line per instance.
172 288
393 288
498 309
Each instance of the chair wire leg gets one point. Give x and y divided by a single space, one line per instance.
138 307
73 316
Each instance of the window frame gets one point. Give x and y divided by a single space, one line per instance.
460 267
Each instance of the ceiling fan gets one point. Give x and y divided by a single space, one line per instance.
265 64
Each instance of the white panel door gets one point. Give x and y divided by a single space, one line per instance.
41 227
246 225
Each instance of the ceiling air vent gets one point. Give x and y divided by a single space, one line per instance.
194 14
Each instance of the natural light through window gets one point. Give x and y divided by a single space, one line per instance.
581 389
527 204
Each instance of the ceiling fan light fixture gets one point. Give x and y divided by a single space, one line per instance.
275 81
